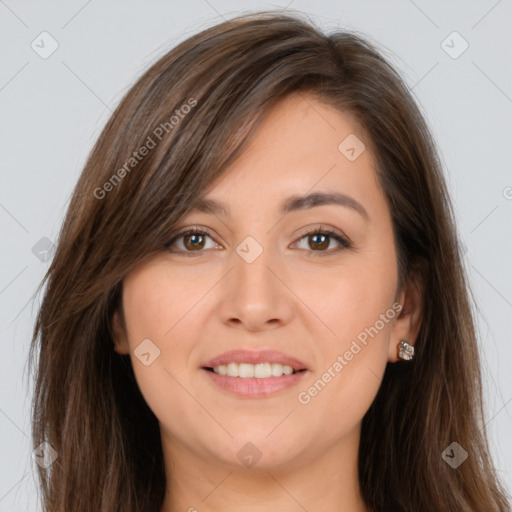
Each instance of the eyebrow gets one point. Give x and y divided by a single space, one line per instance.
293 203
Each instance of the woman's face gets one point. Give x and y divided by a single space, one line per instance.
263 280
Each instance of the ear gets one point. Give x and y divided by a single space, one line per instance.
120 340
408 322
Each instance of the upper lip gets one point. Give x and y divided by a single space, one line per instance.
255 357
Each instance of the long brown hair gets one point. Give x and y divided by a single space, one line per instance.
194 111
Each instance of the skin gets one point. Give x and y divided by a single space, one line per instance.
306 301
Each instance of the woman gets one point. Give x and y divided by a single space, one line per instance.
257 299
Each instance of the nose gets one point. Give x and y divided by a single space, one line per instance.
255 295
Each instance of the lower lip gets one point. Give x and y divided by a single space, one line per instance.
255 388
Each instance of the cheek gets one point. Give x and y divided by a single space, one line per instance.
357 306
159 311
345 298
336 402
347 379
164 303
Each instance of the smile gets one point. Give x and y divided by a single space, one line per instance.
258 371
254 387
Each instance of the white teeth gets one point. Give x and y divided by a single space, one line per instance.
263 371
258 371
232 370
245 370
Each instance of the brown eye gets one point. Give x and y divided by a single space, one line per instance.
189 241
193 241
320 239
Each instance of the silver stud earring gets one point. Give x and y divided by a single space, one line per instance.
405 350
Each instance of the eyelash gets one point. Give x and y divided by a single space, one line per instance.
316 230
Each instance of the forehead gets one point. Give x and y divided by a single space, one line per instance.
300 148
303 124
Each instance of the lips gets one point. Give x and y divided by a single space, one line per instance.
254 357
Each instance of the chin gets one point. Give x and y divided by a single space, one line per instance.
257 450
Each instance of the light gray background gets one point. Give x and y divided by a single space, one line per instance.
53 109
